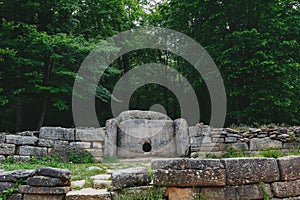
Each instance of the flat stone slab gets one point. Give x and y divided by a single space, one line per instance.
188 172
32 151
130 177
43 197
101 177
88 194
27 189
286 189
289 167
90 134
12 176
62 174
78 184
57 133
102 184
47 181
242 171
138 114
21 140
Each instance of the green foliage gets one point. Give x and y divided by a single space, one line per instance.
272 153
232 152
110 159
81 156
264 190
155 193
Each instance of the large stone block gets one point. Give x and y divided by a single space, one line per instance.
289 167
89 194
139 137
188 172
80 145
21 140
62 174
12 176
17 158
286 189
57 133
182 137
177 193
138 114
130 177
6 185
32 151
241 171
44 197
53 143
90 134
257 144
47 181
7 149
27 189
110 144
195 131
2 158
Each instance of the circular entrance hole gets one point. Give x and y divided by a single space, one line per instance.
147 147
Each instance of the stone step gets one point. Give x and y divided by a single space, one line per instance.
89 194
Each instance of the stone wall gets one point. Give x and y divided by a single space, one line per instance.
237 178
50 141
42 183
204 139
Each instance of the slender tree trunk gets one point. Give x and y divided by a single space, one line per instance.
43 112
18 113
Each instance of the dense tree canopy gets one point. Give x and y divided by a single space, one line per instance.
255 45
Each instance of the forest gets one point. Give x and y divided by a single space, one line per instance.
254 43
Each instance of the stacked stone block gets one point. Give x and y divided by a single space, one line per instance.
237 178
43 183
51 140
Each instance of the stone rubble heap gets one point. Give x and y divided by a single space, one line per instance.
235 178
42 183
205 139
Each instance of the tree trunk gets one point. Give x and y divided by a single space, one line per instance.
43 112
18 113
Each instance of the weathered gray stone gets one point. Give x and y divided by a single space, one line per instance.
6 185
80 145
47 181
2 158
57 133
101 177
110 145
195 131
44 197
20 140
183 193
286 189
62 174
230 139
53 143
293 145
130 177
11 176
32 151
241 171
88 194
102 184
138 114
182 137
16 196
7 149
188 172
27 189
17 158
217 140
97 145
241 146
78 184
29 133
159 135
2 137
213 193
289 167
264 144
90 134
